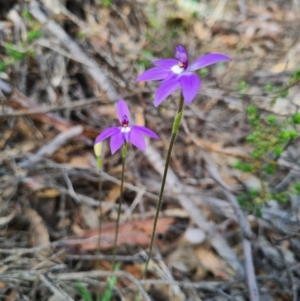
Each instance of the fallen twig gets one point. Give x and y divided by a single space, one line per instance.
90 65
216 240
52 146
245 227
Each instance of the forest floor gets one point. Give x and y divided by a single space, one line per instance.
63 66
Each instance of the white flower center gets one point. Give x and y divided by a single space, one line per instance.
125 129
177 69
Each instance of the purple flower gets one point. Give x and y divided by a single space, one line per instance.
125 133
177 73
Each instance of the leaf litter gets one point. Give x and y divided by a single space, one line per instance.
62 68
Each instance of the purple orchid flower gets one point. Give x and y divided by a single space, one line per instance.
177 73
125 133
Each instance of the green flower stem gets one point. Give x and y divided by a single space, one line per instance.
99 163
124 155
176 124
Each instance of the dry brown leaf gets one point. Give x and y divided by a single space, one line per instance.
89 216
112 197
80 161
201 32
139 116
48 193
132 232
37 230
213 263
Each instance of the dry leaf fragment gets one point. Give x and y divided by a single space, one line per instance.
213 263
132 232
38 231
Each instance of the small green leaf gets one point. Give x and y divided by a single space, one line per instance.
34 34
269 87
2 66
83 291
269 168
203 72
285 135
252 110
296 75
11 50
251 138
245 167
108 292
278 150
27 16
242 86
293 134
297 187
296 118
271 119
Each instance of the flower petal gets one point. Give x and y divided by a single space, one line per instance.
181 55
116 142
122 110
167 63
165 89
107 133
190 84
207 60
155 73
143 130
138 140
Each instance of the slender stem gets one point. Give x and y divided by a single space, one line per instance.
100 218
98 149
124 154
176 125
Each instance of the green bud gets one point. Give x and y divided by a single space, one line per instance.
98 149
176 123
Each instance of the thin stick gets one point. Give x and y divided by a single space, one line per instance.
124 154
176 125
246 231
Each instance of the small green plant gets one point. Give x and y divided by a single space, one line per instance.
108 291
105 3
242 87
15 53
83 291
34 34
269 138
203 72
